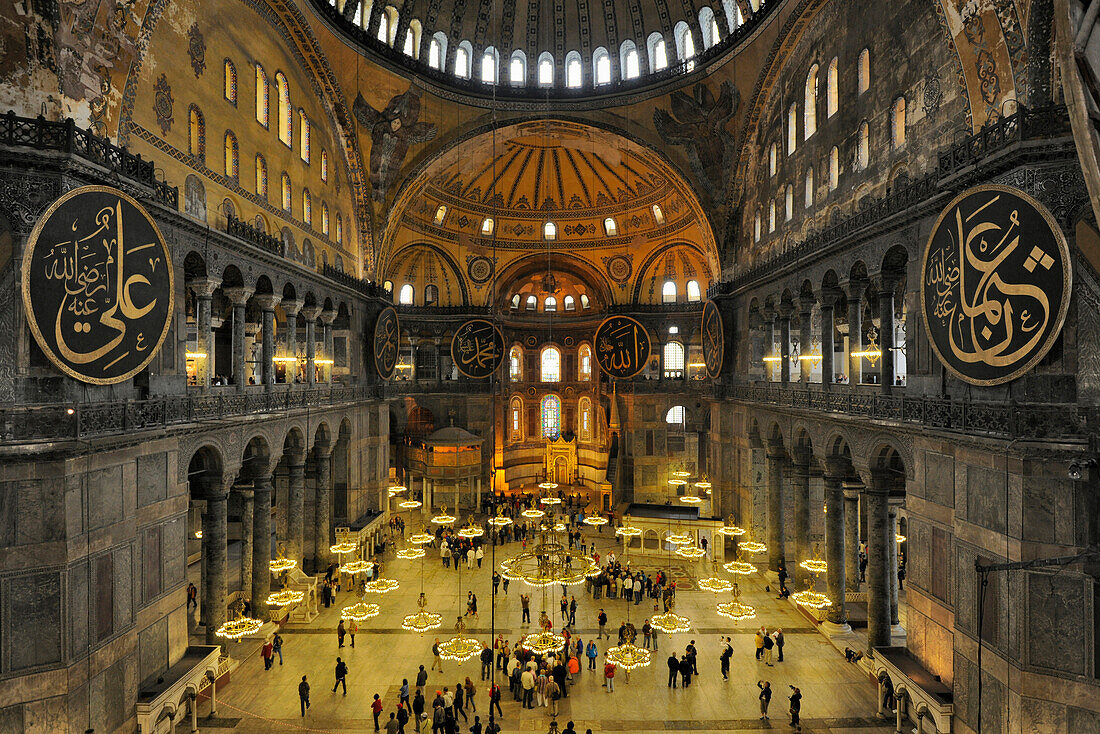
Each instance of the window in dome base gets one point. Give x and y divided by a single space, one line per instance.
551 417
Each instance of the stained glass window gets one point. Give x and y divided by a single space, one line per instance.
324 165
285 112
307 208
339 229
324 218
551 365
261 176
196 141
286 192
551 417
261 96
585 370
515 360
303 129
230 81
232 160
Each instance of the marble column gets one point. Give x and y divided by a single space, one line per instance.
268 303
805 338
855 331
323 516
261 547
413 371
311 313
892 565
204 293
214 534
851 536
836 469
238 296
878 558
800 510
438 362
291 309
327 317
886 335
785 344
828 368
244 494
295 506
777 456
769 341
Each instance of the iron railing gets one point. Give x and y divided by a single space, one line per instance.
245 231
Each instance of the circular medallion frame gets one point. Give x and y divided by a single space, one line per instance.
386 342
37 296
470 339
1035 259
713 337
611 338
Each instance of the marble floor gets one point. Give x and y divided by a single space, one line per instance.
837 696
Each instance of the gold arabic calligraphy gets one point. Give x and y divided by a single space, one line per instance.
623 347
478 348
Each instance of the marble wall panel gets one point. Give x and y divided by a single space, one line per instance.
33 609
31 511
105 497
152 478
78 609
153 650
985 497
939 478
1056 617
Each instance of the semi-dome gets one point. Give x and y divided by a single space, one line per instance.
542 48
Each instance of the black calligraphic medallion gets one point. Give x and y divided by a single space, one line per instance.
98 286
995 284
387 340
714 340
477 348
622 346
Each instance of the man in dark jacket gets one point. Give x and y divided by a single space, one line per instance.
418 707
685 670
796 708
486 662
303 694
341 676
559 673
673 669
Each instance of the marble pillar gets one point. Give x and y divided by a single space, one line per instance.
855 331
238 296
244 494
892 565
267 303
295 506
878 558
291 309
785 344
214 536
311 313
777 456
261 548
828 327
327 317
769 342
805 338
323 515
886 336
800 511
835 471
851 537
204 292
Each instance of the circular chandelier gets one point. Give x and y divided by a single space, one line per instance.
460 648
629 656
679 538
899 537
281 565
670 622
752 546
356 566
629 531
693 552
811 598
677 482
421 622
595 520
360 612
285 597
396 489
716 585
691 499
343 547
238 628
739 566
736 610
545 486
681 474
548 562
411 554
550 500
443 518
381 586
471 531
421 538
500 520
815 565
731 528
533 514
703 485
410 504
543 643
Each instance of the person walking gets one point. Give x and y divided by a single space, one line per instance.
783 581
267 653
525 603
422 676
471 691
673 669
494 700
862 566
341 676
192 597
438 660
727 653
486 662
402 718
353 627
796 708
590 651
759 643
277 647
685 671
403 694
460 699
376 709
418 707
778 637
765 697
303 694
601 619
479 554
340 632
609 676
496 581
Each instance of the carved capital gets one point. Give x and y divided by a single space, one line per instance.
310 313
328 316
204 287
238 295
291 308
268 301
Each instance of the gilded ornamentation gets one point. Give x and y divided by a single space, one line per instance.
162 104
196 49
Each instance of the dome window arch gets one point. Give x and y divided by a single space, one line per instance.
196 133
708 24
773 162
517 68
387 286
549 231
487 226
551 417
431 294
411 45
658 215
897 122
685 44
609 227
324 165
864 70
673 360
788 203
809 114
515 409
463 57
629 63
490 64
574 70
307 208
584 409
303 136
261 96
675 415
232 156
550 304
834 168
285 111
569 303
601 66
771 216
261 176
792 128
863 146
339 229
515 302
668 292
230 90
756 227
440 214
406 295
733 14
584 363
437 50
832 88
285 190
532 303
693 292
658 52
546 69
584 301
324 219
550 365
809 187
515 359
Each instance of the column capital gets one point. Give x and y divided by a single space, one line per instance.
800 458
776 449
837 467
322 449
855 288
806 304
311 313
328 315
268 301
829 296
238 295
263 483
785 309
881 483
204 287
243 489
768 312
292 307
216 488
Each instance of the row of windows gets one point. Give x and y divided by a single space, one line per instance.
550 417
550 363
285 112
549 229
196 147
550 303
463 62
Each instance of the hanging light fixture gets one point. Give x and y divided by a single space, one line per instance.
595 519
500 521
396 489
543 643
356 566
411 554
628 531
381 586
410 504
361 611
810 597
736 609
421 538
752 546
239 627
443 518
740 566
423 620
716 585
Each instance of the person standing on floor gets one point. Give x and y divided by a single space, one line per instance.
601 619
778 637
552 694
525 602
727 653
402 718
303 694
673 669
422 677
479 554
471 691
591 652
693 655
376 709
759 643
267 653
769 644
647 631
340 632
685 671
460 700
765 697
572 611
486 662
353 627
277 647
796 708
192 597
438 660
418 707
341 676
609 676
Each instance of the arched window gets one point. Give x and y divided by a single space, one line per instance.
412 39
709 27
324 165
834 168
261 96
230 82
628 60
515 301
487 226
585 419
232 157
685 46
549 231
384 28
897 122
307 208
517 68
569 304
405 297
431 294
668 292
863 146
532 303
550 365
546 69
463 58
515 408
788 203
756 227
584 301
339 229
387 286
303 135
675 415
609 227
658 215
832 89
440 214
809 187
515 356
261 177
809 114
286 192
771 216
324 218
792 128
550 304
658 54
601 66
489 62
693 292
773 162
285 112
674 359
574 73
733 14
435 53
584 363
196 133
864 70
551 417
